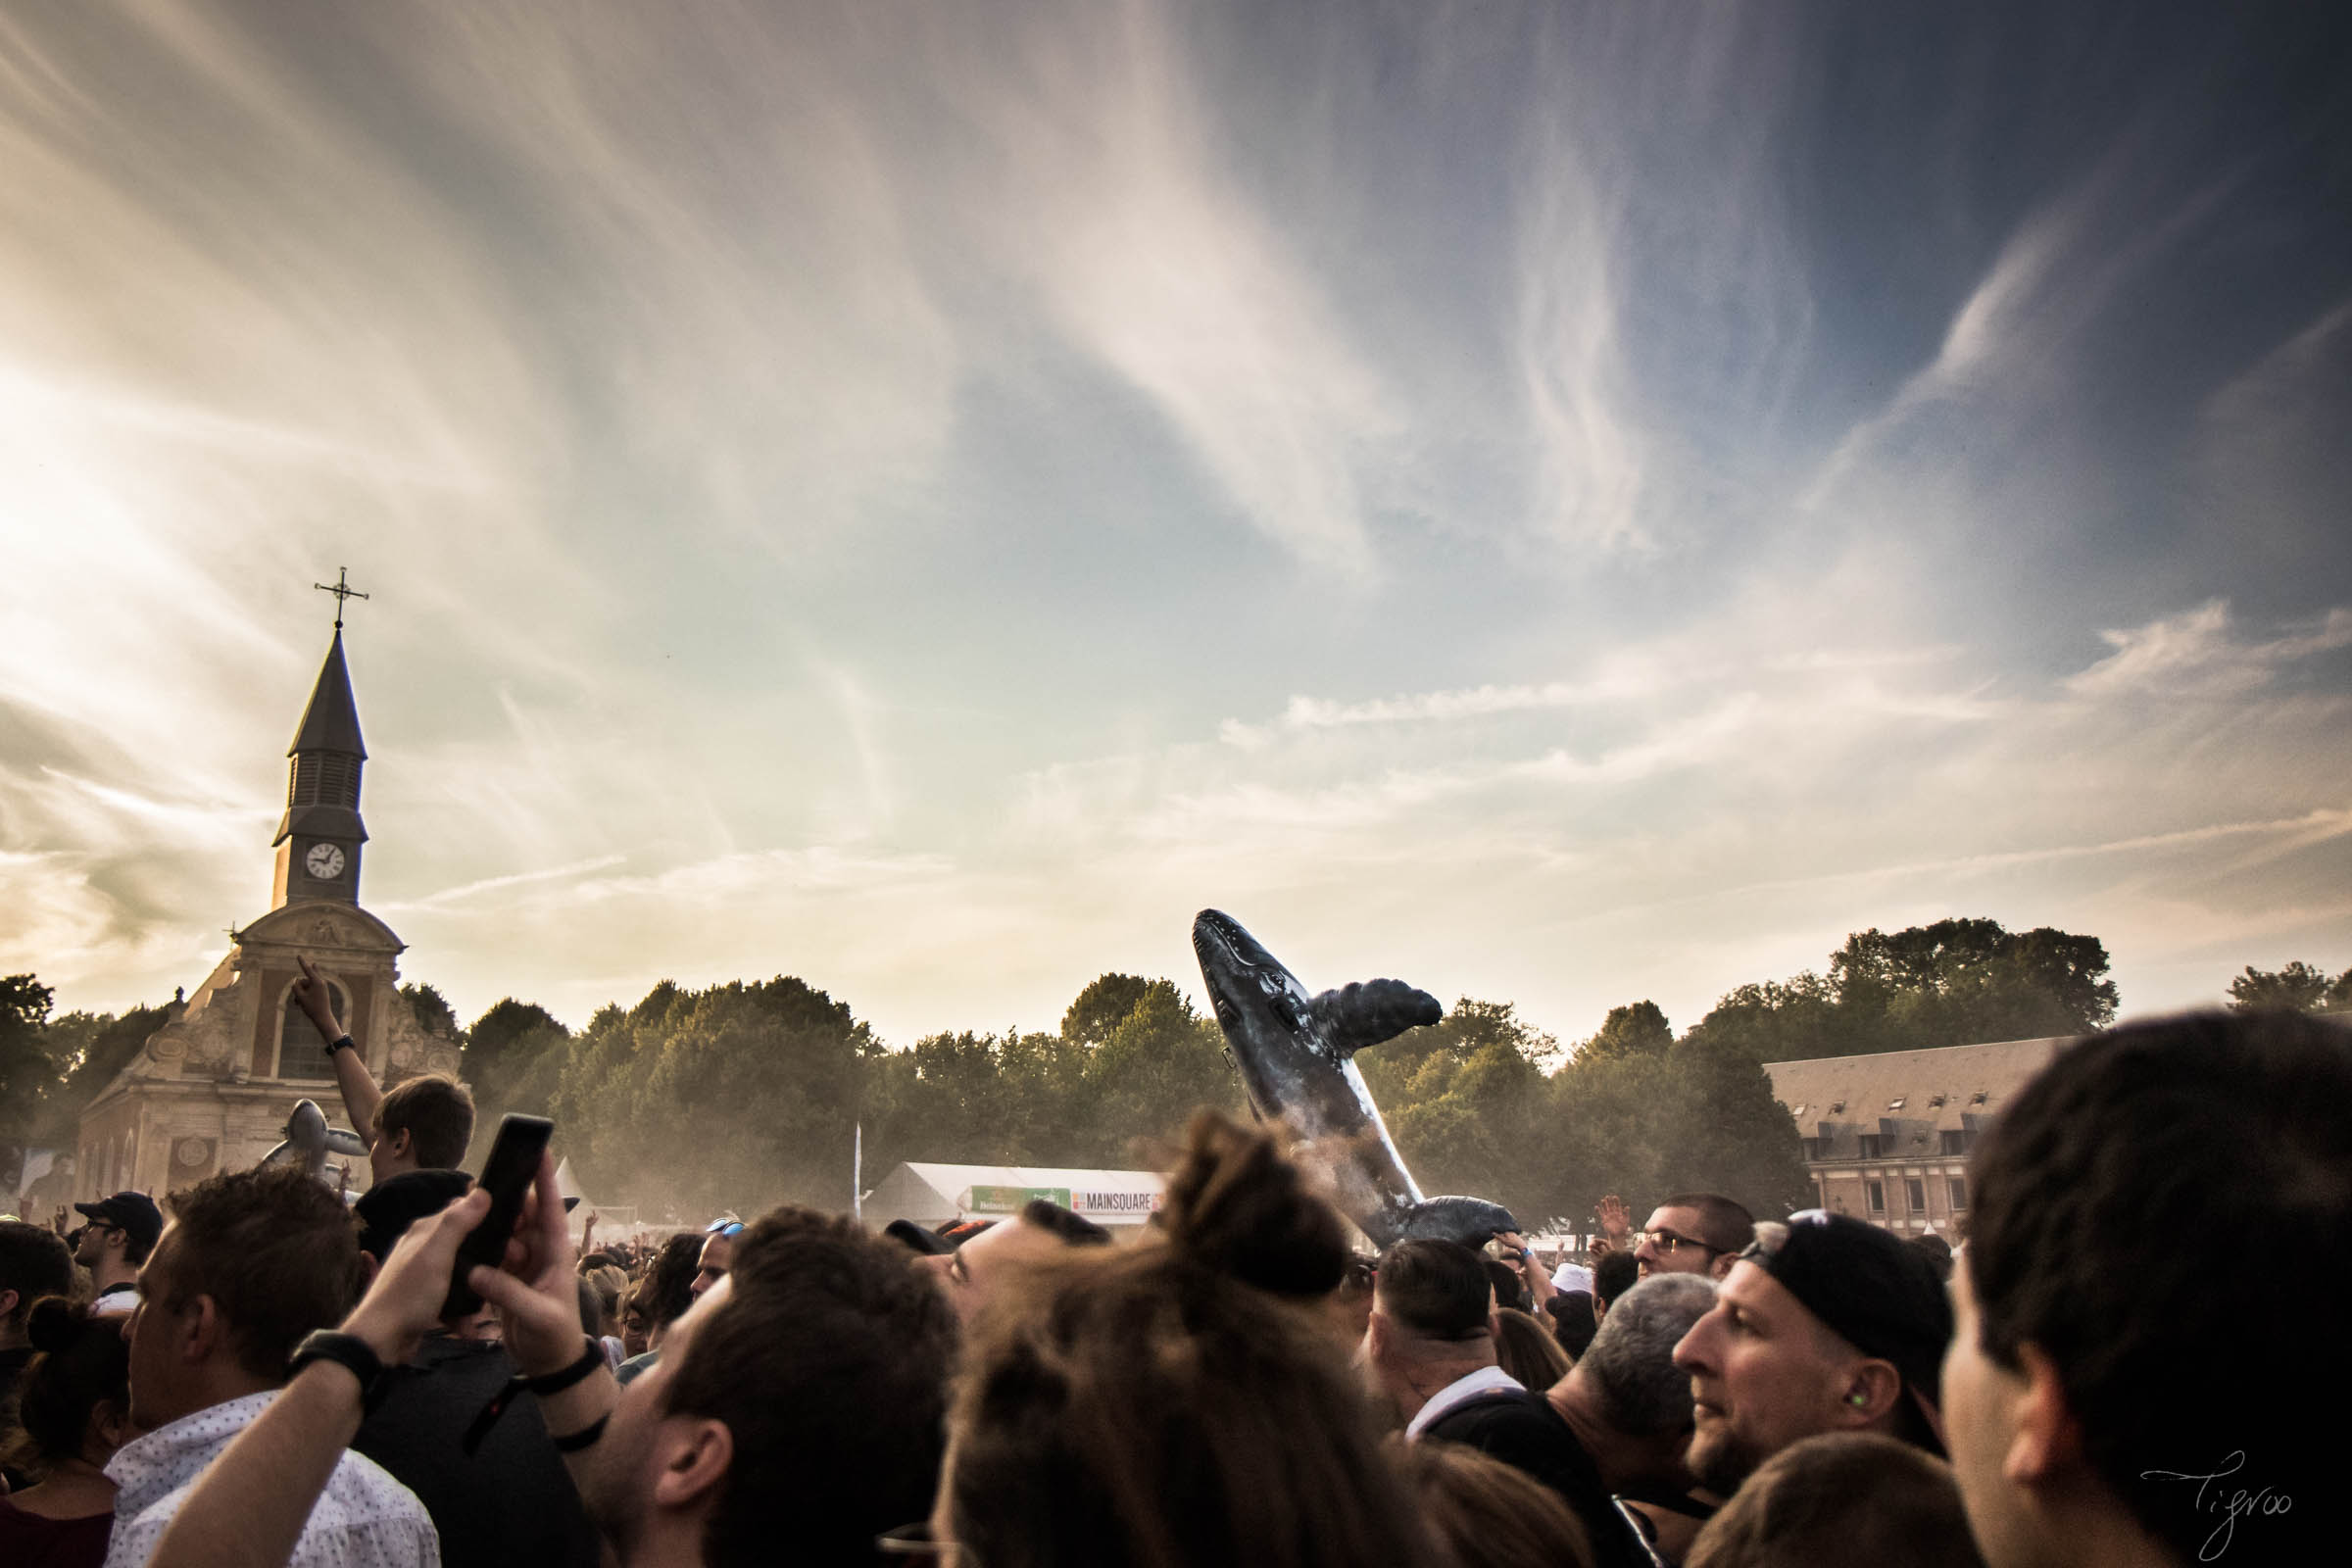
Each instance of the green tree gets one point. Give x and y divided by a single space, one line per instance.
1946 984
1638 1029
93 1048
946 1098
1156 1067
739 1096
514 1058
434 1015
29 1071
1103 1007
2298 986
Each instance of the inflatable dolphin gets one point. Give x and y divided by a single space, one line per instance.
1296 1058
310 1140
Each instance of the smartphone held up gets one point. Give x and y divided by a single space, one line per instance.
507 1175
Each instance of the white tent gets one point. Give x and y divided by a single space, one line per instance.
939 1194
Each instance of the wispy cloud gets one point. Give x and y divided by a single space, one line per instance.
2196 654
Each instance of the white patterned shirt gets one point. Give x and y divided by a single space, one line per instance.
1486 1380
364 1519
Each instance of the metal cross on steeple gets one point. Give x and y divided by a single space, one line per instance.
342 590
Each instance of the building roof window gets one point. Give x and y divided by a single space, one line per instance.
1837 1105
1896 1103
1980 1097
1935 1099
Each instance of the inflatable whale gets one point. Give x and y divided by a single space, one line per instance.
1296 1053
309 1140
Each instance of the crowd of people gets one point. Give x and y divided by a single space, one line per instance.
255 1374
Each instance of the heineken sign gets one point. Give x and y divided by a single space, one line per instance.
1013 1199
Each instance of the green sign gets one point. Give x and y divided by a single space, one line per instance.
1013 1199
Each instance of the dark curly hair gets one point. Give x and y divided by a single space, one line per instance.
667 1289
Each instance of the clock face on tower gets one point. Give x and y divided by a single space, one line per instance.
324 861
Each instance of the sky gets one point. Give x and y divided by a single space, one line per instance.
1559 503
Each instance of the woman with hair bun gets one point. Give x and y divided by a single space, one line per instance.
1178 1402
73 1412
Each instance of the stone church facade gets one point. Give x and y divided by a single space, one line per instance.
212 1089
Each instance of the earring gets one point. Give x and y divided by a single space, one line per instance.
1857 1399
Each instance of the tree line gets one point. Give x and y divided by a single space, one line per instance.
741 1094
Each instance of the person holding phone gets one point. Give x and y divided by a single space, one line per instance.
808 1386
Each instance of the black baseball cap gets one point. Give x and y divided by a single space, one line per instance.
133 1214
1876 1289
917 1239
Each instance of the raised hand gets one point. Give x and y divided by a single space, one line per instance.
317 999
1615 1223
535 1292
1531 1269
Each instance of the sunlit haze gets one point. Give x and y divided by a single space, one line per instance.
1559 503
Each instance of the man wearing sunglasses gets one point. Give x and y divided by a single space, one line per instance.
1692 1233
122 1231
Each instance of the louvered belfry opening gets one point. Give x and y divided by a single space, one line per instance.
324 779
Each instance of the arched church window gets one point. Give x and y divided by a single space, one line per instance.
300 1049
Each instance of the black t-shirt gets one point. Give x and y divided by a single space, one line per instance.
509 1502
1523 1431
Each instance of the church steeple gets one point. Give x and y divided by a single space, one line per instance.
319 838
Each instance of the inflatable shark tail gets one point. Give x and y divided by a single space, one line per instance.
1471 1221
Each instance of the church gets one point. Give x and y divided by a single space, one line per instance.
212 1089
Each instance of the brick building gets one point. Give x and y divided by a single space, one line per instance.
1886 1137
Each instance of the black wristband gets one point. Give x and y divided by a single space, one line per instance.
346 1350
557 1382
342 1042
554 1383
574 1442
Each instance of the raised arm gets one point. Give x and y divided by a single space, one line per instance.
361 1094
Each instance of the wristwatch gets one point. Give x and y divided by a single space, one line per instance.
341 1041
348 1351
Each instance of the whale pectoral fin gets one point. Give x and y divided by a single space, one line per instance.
343 1143
1365 1012
276 1154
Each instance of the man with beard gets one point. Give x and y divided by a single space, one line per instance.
799 1399
1826 1324
1692 1233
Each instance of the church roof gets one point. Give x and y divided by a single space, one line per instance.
332 723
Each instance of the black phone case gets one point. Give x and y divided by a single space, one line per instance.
507 1175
